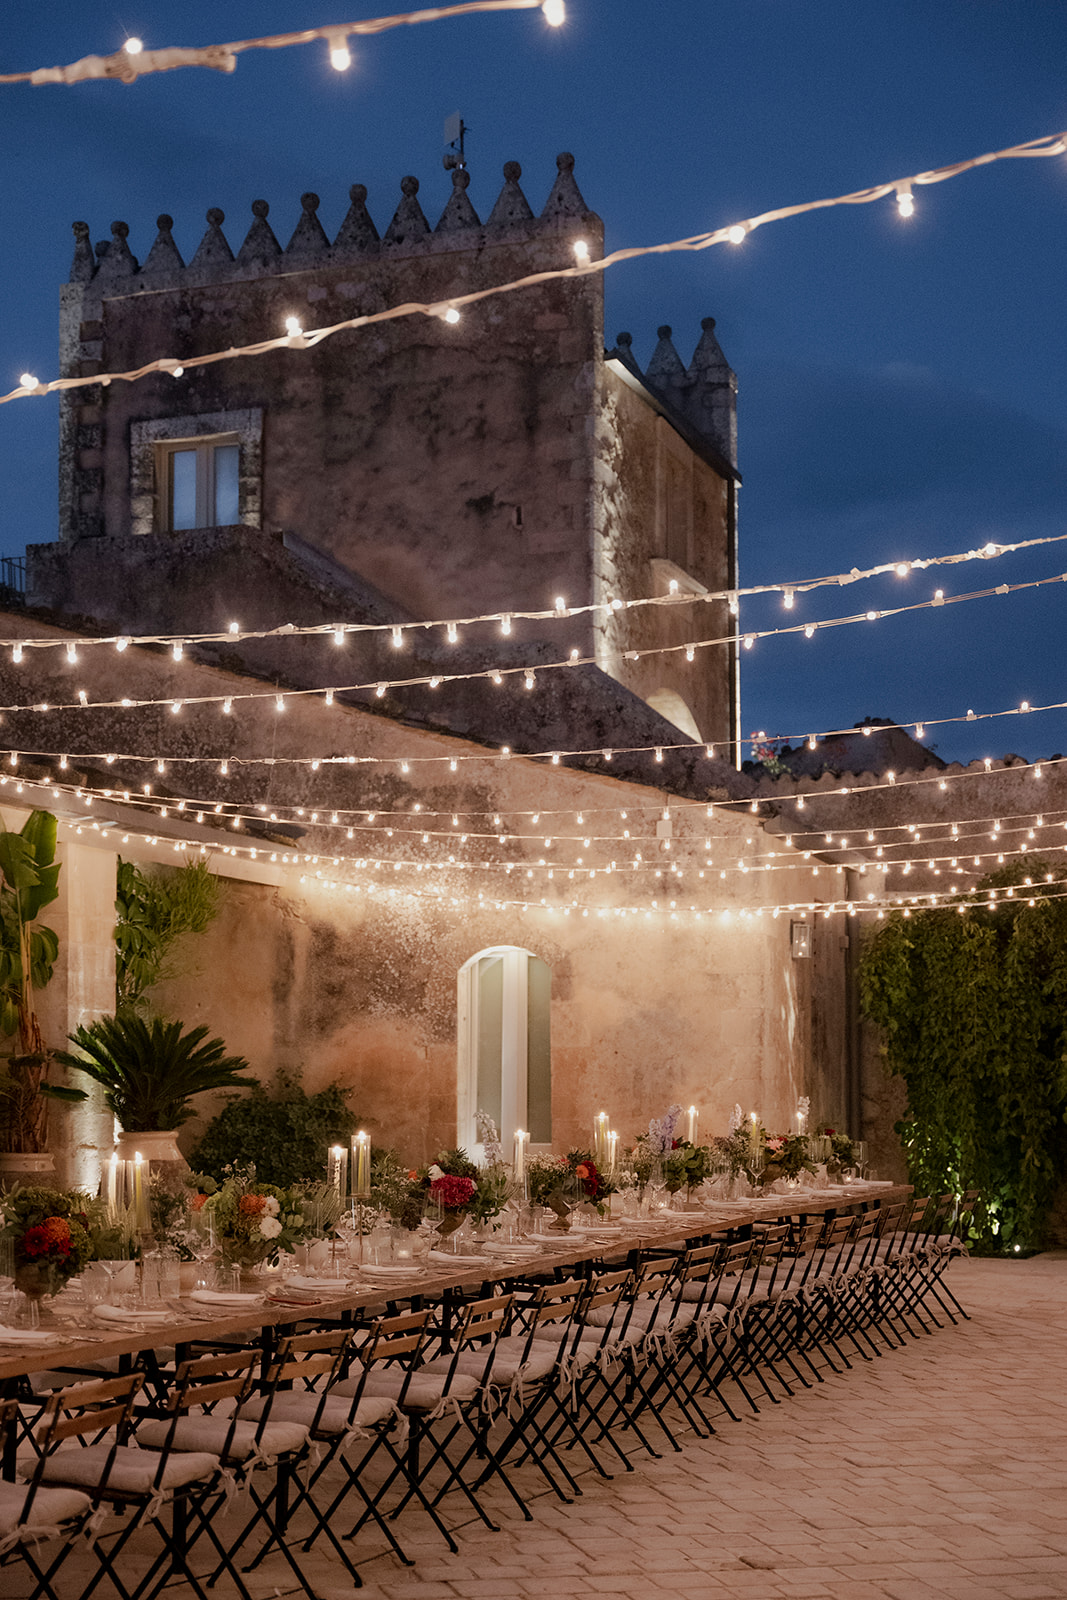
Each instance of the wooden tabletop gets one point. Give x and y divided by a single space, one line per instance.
79 1343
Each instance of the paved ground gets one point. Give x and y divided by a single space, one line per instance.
938 1471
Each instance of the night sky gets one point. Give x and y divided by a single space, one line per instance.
903 384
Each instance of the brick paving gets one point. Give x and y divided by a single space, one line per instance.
937 1472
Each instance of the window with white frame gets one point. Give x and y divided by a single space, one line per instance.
199 483
505 1055
197 471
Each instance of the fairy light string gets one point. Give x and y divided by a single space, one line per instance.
381 685
449 310
402 632
133 61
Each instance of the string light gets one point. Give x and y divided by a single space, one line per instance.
340 55
905 202
1046 145
133 61
234 632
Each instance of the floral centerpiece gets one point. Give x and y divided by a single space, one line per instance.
450 1184
842 1150
257 1222
547 1180
49 1234
785 1156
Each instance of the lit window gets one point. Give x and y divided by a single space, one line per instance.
199 484
505 1055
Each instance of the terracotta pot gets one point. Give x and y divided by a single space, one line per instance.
18 1167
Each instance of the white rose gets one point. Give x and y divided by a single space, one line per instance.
270 1227
435 1172
271 1206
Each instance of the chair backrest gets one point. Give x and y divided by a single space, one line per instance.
83 1411
314 1360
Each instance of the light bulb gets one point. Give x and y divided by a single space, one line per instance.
293 328
177 372
72 653
905 203
27 380
787 599
452 315
177 650
555 13
737 234
340 55
133 47
581 250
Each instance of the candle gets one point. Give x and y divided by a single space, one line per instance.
140 1196
337 1169
361 1165
613 1152
600 1138
521 1141
113 1186
691 1126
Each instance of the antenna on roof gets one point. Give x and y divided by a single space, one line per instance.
456 131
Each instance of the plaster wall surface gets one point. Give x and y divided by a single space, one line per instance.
664 988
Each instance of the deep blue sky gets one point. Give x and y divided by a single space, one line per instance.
903 386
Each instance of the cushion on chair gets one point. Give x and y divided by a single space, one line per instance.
424 1393
510 1356
50 1507
336 1413
213 1434
134 1471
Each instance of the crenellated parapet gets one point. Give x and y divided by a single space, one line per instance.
111 267
702 394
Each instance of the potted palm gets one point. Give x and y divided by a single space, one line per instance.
28 952
150 1070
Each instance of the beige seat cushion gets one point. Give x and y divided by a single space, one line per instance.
213 1434
424 1392
50 1507
133 1472
510 1356
336 1413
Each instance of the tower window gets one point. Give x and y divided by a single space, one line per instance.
199 482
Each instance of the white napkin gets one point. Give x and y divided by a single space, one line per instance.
219 1297
128 1314
30 1336
454 1261
391 1271
312 1285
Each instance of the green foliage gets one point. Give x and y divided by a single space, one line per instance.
972 1010
28 955
285 1135
150 1071
154 911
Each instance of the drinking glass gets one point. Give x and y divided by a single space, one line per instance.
657 1183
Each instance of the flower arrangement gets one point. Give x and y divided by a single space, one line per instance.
49 1233
547 1179
451 1184
842 1149
686 1166
257 1222
732 1150
785 1156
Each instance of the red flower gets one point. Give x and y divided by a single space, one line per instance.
35 1243
830 1132
452 1192
197 1200
250 1205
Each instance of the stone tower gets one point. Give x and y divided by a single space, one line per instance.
493 464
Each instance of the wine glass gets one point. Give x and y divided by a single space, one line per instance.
657 1184
201 1243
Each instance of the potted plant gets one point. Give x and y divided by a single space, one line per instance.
150 1071
28 952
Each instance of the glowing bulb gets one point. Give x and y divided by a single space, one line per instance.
16 654
452 315
903 568
505 624
555 13
561 604
340 55
809 631
738 233
787 599
120 645
27 380
920 731
905 203
177 651
293 328
279 703
72 653
749 640
581 250
133 47
177 372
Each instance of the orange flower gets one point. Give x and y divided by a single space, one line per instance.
56 1230
197 1201
581 1171
252 1204
412 1174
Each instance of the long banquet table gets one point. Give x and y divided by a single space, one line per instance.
78 1345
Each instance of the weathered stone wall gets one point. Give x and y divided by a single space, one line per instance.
651 1001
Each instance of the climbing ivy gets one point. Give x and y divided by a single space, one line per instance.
972 1009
